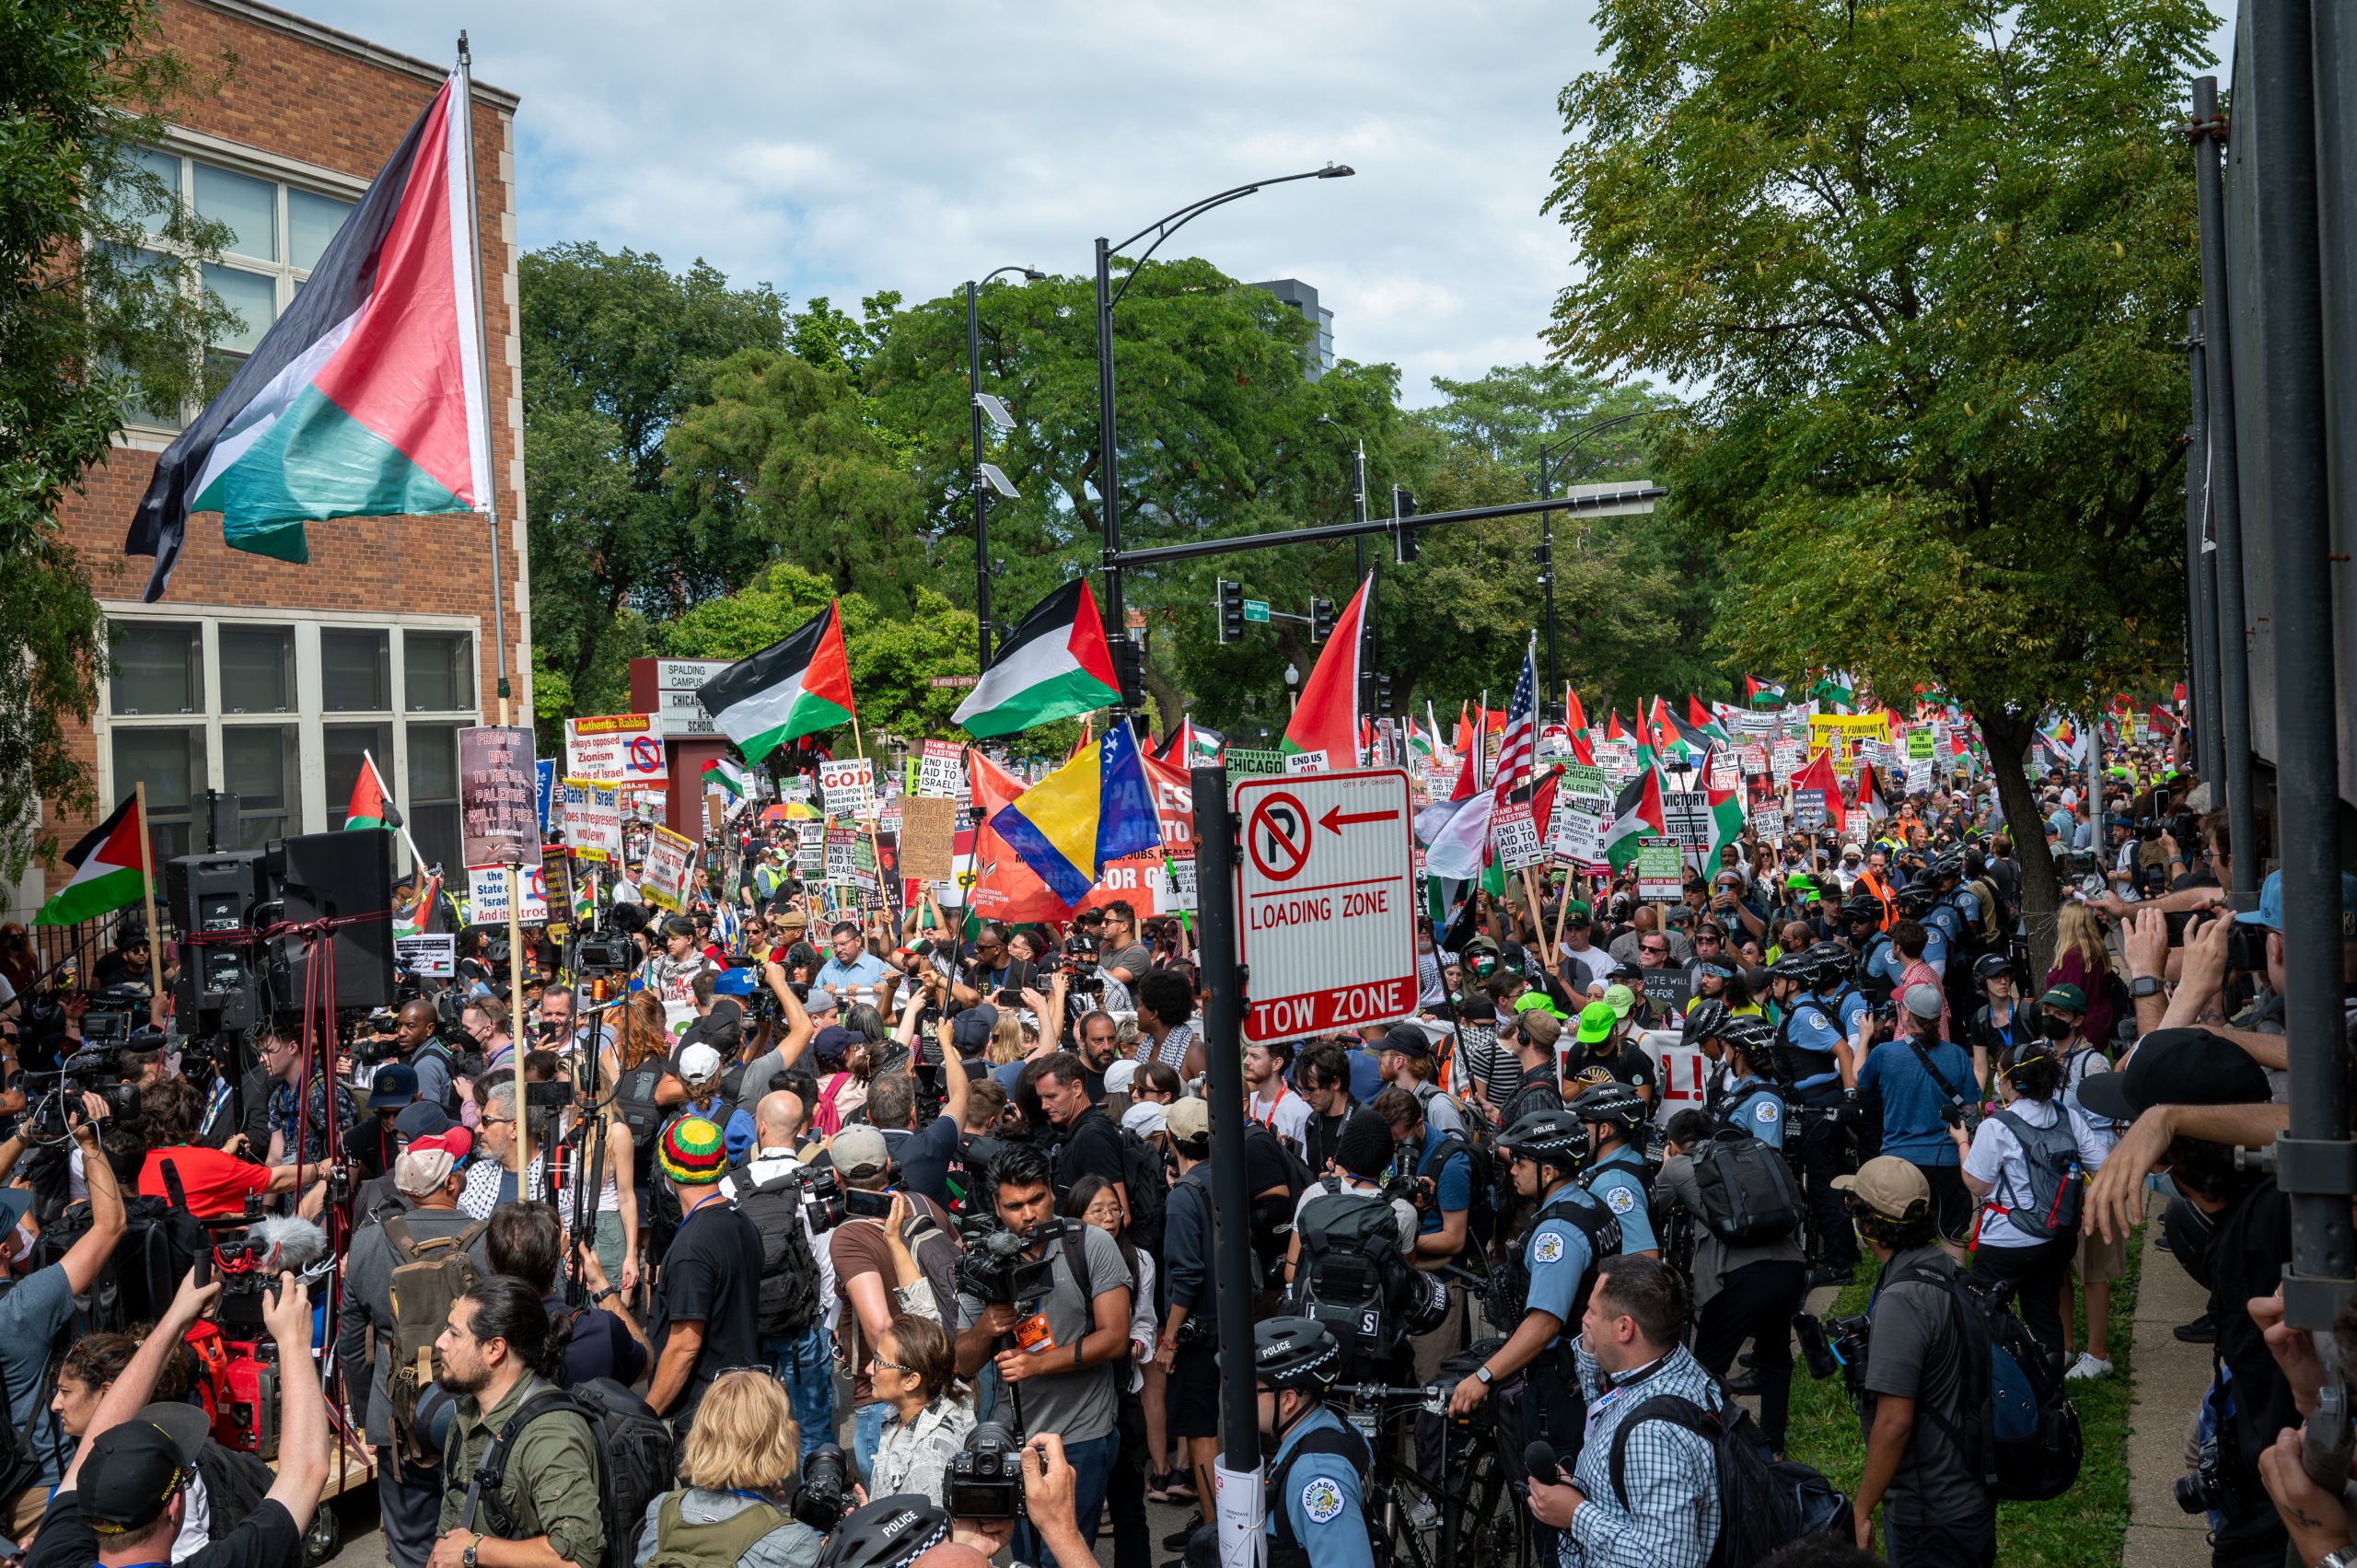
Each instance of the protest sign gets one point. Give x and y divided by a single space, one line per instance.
1579 779
1245 763
498 816
1300 762
848 784
544 787
1768 822
663 879
1577 836
556 876
1687 812
431 957
487 896
941 770
1785 760
1661 869
1809 813
1754 759
1842 733
1516 836
928 835
809 848
616 748
1177 894
851 861
1921 741
1669 989
1919 776
593 819
1721 771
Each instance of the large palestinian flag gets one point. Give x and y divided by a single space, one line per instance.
110 871
367 398
798 685
1055 664
1637 813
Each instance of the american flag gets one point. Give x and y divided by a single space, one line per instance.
1517 748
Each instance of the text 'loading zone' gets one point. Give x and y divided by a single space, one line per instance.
1326 902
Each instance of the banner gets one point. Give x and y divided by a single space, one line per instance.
497 796
593 819
1842 733
431 957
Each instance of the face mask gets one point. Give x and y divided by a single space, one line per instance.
2053 1028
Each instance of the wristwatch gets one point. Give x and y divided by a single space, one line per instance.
1482 1373
467 1556
603 1294
2144 985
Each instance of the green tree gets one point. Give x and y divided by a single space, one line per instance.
617 350
1930 262
90 322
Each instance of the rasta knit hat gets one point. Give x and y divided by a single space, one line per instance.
692 1151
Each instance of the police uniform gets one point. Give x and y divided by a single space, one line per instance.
1881 966
1618 1181
1572 1233
1315 1516
1810 1035
1753 1106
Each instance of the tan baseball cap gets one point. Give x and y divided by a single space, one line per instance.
1887 1185
1190 1121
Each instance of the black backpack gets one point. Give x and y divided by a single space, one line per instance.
1765 1502
1143 1179
636 1458
1481 1210
789 1301
160 1244
236 1483
1353 1276
1749 1195
453 1070
2052 1157
634 1103
1271 1218
2027 1431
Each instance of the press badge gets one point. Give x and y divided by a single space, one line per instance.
1034 1335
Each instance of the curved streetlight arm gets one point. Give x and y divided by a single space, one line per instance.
1163 229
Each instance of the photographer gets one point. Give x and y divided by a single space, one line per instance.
1928 1095
1917 1412
738 1465
913 1371
497 1353
874 1261
707 1309
132 1502
213 1182
1055 1350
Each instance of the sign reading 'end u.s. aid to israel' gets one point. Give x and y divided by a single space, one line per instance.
1326 902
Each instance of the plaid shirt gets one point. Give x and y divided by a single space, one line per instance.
1672 1520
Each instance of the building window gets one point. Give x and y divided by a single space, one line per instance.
434 792
438 671
159 669
356 671
257 670
341 746
258 766
170 759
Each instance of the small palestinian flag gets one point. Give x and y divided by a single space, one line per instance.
1056 662
798 686
1637 814
1761 693
1727 815
1869 795
732 776
109 872
372 803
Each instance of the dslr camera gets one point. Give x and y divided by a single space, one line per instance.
2210 1489
823 1495
1834 1344
985 1480
993 1268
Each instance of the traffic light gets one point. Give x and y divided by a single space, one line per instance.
1543 555
1321 620
1404 541
1231 611
1382 693
1129 670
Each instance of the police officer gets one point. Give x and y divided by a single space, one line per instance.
1822 1072
1570 1233
1915 901
1704 1029
1617 1175
1955 914
1754 1101
1878 963
1318 1471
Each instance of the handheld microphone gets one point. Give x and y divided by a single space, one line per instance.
1538 1458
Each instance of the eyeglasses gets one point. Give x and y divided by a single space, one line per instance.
496 1121
891 1366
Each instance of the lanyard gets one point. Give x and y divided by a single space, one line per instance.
1620 1385
698 1207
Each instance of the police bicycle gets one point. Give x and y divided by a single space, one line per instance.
1470 1513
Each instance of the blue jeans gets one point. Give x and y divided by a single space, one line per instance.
1092 1464
807 1367
867 1432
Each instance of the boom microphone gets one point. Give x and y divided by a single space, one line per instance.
283 1244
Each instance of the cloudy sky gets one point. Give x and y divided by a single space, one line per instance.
841 148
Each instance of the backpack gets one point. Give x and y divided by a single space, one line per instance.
719 1544
824 1117
236 1483
1271 1218
789 1298
1993 919
161 1242
1143 1180
637 1460
1749 1195
936 1251
452 1071
1482 1213
1765 1502
2029 1439
1354 1276
2052 1156
634 1103
428 1277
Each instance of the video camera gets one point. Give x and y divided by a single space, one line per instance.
985 1479
1835 1344
993 1268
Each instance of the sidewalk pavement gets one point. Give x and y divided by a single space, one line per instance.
2171 1377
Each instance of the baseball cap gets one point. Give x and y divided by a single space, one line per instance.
1408 1041
699 1063
1598 1019
1924 1001
394 1084
1190 1122
2270 912
1533 1002
2176 1067
969 1032
831 1044
1620 998
2069 998
1544 1028
1120 1076
129 1476
422 1119
1146 1118
858 1150
1887 1185
821 1000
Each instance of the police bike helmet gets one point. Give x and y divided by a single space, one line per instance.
1832 961
890 1532
1707 1017
1797 967
1755 1039
1611 1103
1295 1353
1943 867
1991 966
1548 1137
1862 906
1915 899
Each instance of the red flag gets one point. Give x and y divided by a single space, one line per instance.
1463 740
1574 718
1325 718
1582 751
1612 731
1699 713
1467 786
1818 776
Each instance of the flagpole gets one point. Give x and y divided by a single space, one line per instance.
402 827
875 845
490 497
514 1029
1480 737
154 934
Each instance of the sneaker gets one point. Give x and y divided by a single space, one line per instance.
2088 1366
1157 1488
1822 1276
1180 1485
1176 1540
2202 1330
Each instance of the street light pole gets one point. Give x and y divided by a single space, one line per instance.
1569 445
977 487
1108 472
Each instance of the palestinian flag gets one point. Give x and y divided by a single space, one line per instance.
1054 664
732 776
1637 814
1761 694
1612 731
1836 688
796 686
1698 737
1575 719
1817 778
420 918
109 873
1727 815
372 803
1706 721
1326 719
1870 794
365 399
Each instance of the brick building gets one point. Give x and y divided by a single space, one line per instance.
262 678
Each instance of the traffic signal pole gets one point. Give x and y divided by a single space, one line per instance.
1319 533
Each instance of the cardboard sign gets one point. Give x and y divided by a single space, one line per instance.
849 785
498 816
616 748
593 819
928 838
1576 835
663 878
1300 762
487 901
1669 989
1768 822
941 771
1516 836
1661 870
1178 891
432 956
1326 899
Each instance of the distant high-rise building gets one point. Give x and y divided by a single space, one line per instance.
1304 298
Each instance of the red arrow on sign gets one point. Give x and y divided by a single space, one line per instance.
1337 819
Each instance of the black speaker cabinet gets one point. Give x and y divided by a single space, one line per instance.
212 898
330 875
